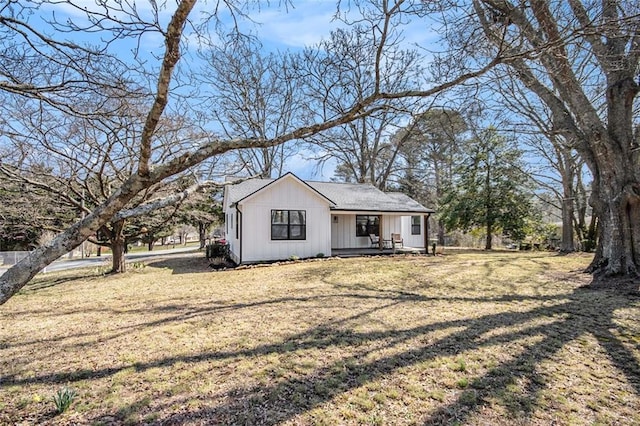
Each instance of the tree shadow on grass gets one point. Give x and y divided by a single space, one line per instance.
586 312
177 313
578 320
44 282
566 317
183 264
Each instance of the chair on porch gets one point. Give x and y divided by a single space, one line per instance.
397 239
375 240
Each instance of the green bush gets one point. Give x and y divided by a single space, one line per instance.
320 255
63 399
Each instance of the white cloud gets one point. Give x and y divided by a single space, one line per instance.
306 24
78 9
306 168
312 20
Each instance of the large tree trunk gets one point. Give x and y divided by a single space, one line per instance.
441 232
119 265
591 234
202 234
489 241
581 201
439 195
567 244
616 188
618 251
615 194
118 248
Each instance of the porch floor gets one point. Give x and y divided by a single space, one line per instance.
366 251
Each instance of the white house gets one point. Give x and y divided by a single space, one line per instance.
273 219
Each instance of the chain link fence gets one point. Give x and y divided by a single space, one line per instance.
10 258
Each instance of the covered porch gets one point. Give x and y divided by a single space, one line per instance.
375 232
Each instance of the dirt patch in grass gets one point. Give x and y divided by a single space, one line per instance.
469 338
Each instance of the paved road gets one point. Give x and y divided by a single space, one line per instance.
61 265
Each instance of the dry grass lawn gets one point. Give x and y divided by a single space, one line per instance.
470 338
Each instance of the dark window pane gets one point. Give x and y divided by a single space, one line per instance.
298 232
279 232
279 217
361 226
366 225
415 225
288 224
298 217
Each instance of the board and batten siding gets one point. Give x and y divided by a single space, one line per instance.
286 194
416 241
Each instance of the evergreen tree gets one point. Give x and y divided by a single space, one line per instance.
429 146
489 189
202 211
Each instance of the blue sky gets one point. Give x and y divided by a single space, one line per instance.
278 26
305 24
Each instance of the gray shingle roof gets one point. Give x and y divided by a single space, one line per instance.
366 197
245 188
405 200
345 196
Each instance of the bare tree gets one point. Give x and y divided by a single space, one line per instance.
85 159
348 61
252 95
558 167
551 46
149 169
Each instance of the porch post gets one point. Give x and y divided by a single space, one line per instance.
380 242
426 233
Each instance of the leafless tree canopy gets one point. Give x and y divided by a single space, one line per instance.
581 59
116 126
50 83
252 95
